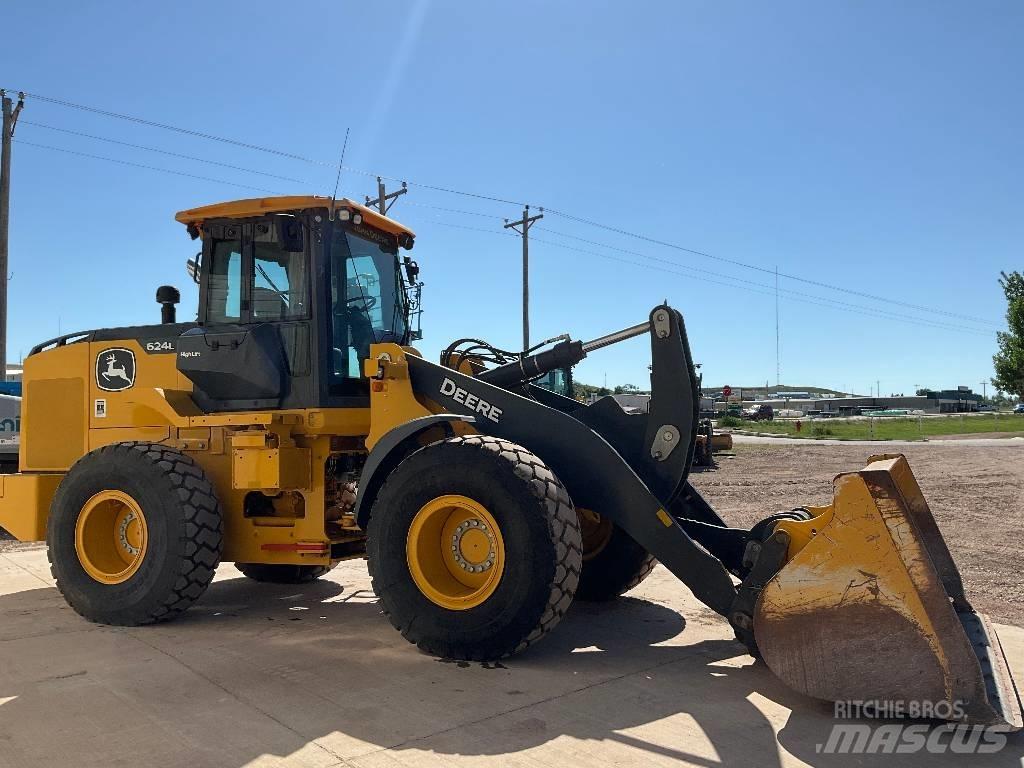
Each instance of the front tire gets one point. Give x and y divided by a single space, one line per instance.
474 548
613 563
134 534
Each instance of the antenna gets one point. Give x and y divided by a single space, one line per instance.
337 179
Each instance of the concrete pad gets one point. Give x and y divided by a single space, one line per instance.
314 676
17 574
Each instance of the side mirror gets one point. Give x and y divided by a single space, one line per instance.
412 269
192 267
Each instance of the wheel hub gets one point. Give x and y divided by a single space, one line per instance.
111 537
473 546
130 535
455 552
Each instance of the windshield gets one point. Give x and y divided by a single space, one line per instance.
367 297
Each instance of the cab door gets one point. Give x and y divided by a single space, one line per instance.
254 315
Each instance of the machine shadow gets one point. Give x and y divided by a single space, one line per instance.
323 664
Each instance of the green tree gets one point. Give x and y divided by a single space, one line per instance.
1009 360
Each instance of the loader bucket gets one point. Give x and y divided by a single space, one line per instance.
870 608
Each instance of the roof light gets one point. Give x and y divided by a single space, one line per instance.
357 218
344 214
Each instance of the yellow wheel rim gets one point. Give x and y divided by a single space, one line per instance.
595 530
455 552
111 537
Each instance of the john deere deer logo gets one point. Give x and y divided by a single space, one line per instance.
115 369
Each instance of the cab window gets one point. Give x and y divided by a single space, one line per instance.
254 278
280 284
224 297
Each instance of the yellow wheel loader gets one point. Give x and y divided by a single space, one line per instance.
293 426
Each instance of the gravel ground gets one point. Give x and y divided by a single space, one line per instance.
975 492
6 543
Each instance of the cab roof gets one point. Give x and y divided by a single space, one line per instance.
257 206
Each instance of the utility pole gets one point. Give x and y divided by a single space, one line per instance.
778 368
10 119
983 390
526 222
381 203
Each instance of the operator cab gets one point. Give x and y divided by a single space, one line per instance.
292 293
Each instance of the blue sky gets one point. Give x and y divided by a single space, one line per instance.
870 145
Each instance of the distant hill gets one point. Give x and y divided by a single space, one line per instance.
774 389
586 389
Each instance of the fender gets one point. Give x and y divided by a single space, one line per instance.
388 452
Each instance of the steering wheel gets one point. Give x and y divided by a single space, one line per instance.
369 302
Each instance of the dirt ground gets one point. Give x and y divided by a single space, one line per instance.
975 492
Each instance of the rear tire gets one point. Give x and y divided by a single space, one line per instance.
613 563
134 534
278 573
535 548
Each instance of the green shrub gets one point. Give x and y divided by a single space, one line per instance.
730 421
820 431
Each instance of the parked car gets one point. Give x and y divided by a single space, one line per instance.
762 412
1019 408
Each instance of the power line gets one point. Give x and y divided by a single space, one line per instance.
456 210
470 229
769 291
496 199
255 147
160 151
140 165
451 191
174 128
765 270
697 270
736 282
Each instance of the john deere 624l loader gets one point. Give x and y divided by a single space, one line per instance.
292 426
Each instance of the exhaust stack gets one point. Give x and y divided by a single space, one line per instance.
167 296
